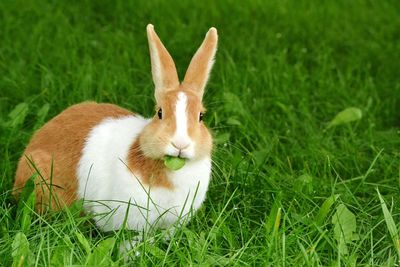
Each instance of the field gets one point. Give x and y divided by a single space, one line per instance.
291 186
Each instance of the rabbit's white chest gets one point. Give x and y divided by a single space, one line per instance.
110 189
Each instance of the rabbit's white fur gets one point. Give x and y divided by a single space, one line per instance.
108 185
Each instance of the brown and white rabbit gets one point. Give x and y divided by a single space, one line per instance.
113 158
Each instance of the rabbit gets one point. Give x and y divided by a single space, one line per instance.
113 158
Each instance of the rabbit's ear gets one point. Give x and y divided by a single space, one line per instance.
163 67
200 66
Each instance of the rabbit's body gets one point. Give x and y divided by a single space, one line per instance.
113 158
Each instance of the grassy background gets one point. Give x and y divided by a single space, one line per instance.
284 69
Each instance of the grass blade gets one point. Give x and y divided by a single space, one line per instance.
390 224
324 210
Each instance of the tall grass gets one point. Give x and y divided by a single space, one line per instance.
287 189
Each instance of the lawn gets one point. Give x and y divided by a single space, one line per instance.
288 188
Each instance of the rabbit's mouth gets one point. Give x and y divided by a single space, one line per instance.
180 154
186 152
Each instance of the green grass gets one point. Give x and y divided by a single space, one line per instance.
286 189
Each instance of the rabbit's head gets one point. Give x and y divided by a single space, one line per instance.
177 128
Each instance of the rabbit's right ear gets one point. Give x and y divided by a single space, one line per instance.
200 66
163 68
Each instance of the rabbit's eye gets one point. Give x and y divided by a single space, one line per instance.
201 116
159 113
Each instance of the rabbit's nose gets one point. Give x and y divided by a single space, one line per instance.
180 145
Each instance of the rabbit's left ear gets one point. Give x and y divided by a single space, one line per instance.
163 68
200 66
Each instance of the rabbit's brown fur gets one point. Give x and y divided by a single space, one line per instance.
46 150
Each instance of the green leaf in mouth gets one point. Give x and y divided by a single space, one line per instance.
174 163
